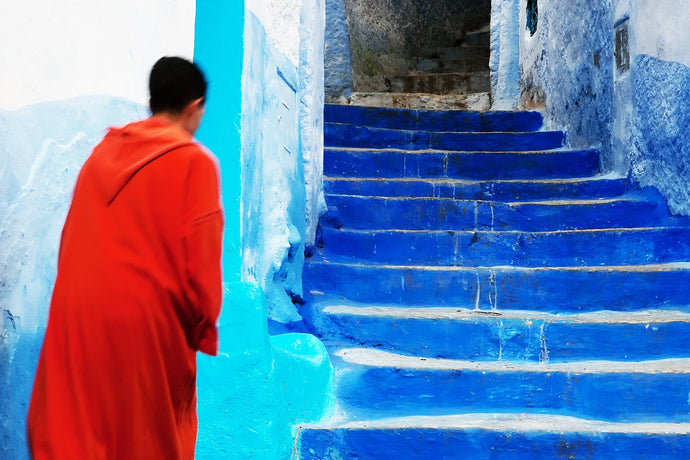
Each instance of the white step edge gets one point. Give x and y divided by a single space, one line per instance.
444 313
379 358
508 422
499 268
446 180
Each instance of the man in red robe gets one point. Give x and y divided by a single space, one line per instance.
138 289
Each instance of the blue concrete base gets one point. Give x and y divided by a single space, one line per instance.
565 289
431 120
483 444
492 248
493 335
341 135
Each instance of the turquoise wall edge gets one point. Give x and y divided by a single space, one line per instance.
253 395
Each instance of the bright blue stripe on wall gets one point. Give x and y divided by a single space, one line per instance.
219 51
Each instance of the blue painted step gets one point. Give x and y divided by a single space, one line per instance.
494 436
431 120
558 164
527 249
564 289
342 135
370 383
507 335
409 213
506 190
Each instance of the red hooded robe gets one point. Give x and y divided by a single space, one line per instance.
138 292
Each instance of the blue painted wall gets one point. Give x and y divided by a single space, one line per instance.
218 49
273 191
259 387
660 140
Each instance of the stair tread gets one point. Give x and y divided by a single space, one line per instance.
462 314
516 422
385 359
646 268
450 180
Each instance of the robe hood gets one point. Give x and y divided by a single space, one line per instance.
125 151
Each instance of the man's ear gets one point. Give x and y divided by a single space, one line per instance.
194 105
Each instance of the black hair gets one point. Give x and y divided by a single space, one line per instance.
175 82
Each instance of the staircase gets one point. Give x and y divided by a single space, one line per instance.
486 292
455 77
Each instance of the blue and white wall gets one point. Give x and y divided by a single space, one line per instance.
637 117
566 69
77 68
282 137
653 115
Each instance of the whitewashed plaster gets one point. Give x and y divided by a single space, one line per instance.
57 49
281 20
662 29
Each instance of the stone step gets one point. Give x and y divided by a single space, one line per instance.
508 436
513 335
416 101
441 83
463 52
482 38
546 289
433 120
606 186
474 165
370 382
409 213
345 135
432 65
620 246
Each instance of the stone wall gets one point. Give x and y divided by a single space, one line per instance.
386 35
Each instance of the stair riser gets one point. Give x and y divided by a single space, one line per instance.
620 397
496 191
364 213
625 247
478 444
452 65
460 52
474 166
477 39
431 120
442 83
550 290
341 135
494 338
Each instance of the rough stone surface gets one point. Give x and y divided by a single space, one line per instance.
386 35
273 193
660 147
568 73
338 59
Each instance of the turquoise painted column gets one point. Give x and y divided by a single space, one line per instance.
219 51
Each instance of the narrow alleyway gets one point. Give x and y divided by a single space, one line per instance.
487 292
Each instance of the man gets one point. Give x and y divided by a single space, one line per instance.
138 289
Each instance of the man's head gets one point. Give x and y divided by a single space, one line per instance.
178 89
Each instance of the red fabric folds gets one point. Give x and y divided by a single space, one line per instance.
138 292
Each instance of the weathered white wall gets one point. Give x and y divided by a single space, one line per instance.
281 21
652 111
566 70
282 146
57 49
69 69
662 29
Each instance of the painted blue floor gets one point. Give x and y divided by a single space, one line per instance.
485 291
